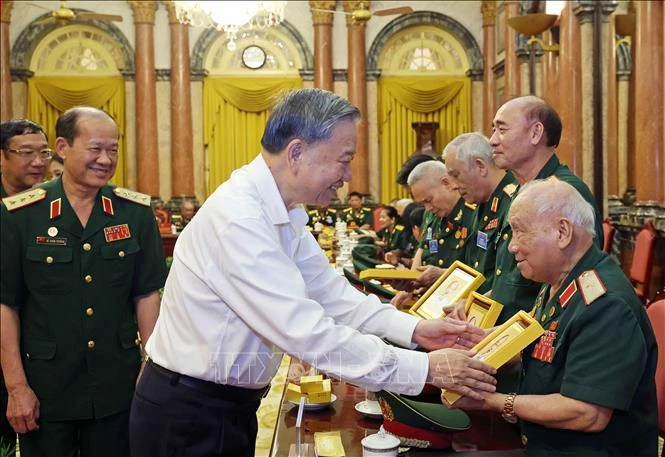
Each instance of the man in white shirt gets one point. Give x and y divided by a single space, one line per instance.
248 284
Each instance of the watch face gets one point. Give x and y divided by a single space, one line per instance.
253 57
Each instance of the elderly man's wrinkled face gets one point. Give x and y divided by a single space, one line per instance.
511 137
534 244
437 197
463 179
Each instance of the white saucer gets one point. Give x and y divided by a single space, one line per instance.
315 406
370 409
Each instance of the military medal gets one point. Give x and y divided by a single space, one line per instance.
117 232
492 224
544 349
52 231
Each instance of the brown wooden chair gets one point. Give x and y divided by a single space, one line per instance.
640 269
608 235
656 313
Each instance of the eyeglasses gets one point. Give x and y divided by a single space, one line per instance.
31 154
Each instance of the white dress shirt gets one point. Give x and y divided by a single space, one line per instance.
248 284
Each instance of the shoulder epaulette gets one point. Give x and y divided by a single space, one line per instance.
23 199
399 227
549 178
348 210
311 212
471 206
332 210
591 286
509 189
367 209
132 196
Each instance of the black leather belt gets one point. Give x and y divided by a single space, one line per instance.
223 391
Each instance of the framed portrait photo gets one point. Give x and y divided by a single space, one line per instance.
456 283
481 311
504 343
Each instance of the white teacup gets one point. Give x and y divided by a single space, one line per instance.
380 445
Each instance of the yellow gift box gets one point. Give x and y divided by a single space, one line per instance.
328 444
456 283
481 311
387 273
293 393
504 343
322 396
311 383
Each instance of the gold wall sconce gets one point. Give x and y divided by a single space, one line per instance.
535 24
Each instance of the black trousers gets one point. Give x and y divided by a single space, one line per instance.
7 433
105 437
176 416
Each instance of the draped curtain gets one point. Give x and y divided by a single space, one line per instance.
404 100
235 113
48 97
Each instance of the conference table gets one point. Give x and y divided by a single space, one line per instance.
489 436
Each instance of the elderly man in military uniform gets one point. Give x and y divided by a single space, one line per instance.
526 132
82 264
587 386
357 215
25 154
474 175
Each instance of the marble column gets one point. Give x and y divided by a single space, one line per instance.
5 75
649 121
488 11
511 73
323 44
570 84
147 168
182 161
357 94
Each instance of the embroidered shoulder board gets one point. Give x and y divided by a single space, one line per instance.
591 286
23 199
347 210
312 212
399 227
549 178
509 189
471 206
367 209
332 210
132 196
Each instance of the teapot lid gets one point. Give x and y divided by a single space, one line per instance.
380 442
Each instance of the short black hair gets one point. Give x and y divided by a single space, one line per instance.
416 215
354 194
391 211
408 166
16 127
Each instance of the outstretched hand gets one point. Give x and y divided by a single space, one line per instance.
457 370
434 334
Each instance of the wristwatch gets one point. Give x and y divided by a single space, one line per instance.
508 412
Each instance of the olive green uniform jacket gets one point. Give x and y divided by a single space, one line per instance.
364 217
327 218
510 288
488 218
447 240
598 348
73 288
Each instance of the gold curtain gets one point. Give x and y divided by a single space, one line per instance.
48 97
235 113
404 100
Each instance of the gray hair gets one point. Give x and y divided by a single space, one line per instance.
553 197
307 114
469 147
432 170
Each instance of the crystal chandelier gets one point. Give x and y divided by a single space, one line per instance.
230 16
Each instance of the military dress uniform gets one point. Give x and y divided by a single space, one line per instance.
487 222
327 217
363 217
73 287
510 288
447 241
598 347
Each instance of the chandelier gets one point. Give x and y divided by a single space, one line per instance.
230 16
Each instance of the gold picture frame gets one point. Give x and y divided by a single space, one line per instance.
481 311
456 283
504 343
